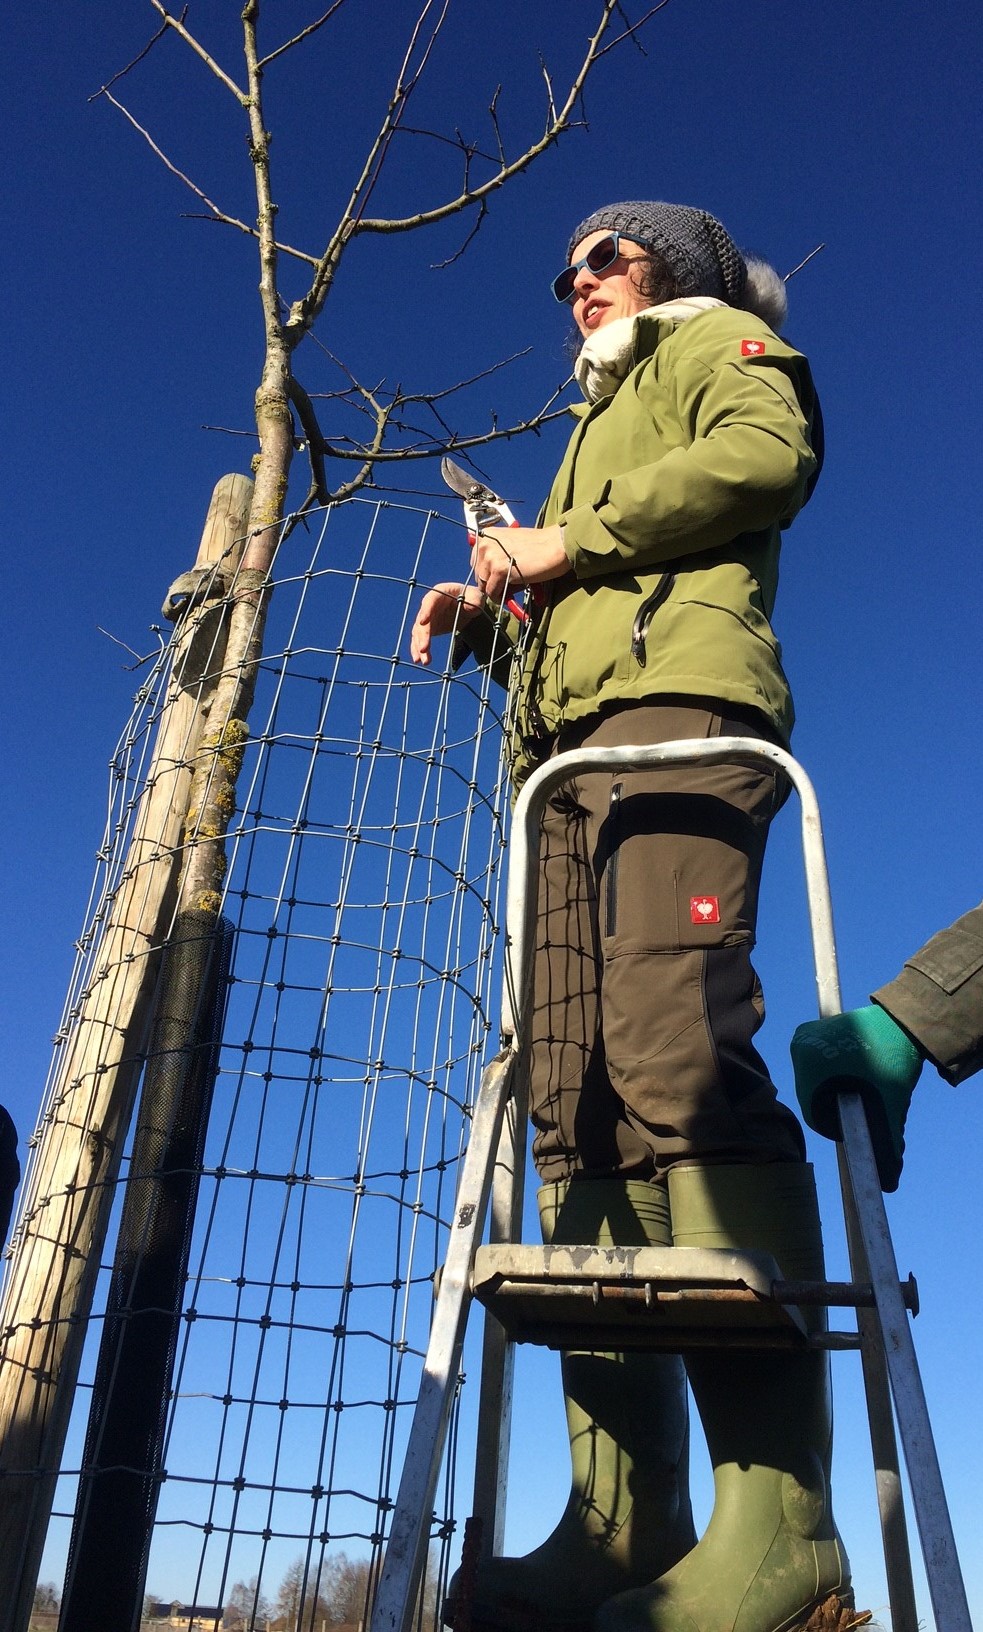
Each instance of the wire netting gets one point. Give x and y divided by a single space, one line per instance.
364 868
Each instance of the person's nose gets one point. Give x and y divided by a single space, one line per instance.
585 281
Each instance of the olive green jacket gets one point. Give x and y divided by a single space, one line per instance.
672 495
938 998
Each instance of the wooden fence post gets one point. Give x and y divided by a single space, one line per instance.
59 1240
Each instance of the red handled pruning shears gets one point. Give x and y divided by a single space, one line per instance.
482 508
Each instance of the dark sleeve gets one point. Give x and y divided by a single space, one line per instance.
490 640
9 1171
938 998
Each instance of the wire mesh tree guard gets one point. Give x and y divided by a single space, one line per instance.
363 872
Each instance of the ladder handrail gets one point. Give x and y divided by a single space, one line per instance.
869 1241
523 881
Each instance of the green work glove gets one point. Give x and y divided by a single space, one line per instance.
862 1050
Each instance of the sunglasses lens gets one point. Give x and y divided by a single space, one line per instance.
603 254
563 284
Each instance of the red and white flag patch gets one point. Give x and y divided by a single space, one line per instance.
752 348
704 909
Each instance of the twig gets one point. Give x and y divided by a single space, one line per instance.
457 140
177 23
221 220
440 266
138 58
632 30
803 263
304 34
639 47
554 127
216 213
129 668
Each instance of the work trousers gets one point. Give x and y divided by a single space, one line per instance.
645 1002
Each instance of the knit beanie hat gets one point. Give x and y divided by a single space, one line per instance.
698 251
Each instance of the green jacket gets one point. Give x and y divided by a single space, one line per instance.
672 495
938 998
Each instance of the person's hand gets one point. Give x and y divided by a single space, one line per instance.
508 558
865 1052
443 609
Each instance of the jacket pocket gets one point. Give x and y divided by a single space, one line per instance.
645 614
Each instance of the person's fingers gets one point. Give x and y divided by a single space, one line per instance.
420 638
441 610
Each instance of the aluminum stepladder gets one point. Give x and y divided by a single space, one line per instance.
717 1296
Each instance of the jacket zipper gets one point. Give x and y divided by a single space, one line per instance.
646 613
614 837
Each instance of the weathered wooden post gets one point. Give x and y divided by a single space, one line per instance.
58 1244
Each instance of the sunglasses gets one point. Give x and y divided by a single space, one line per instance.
598 258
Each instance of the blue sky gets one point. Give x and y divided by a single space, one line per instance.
132 328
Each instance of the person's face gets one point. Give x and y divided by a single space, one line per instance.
600 297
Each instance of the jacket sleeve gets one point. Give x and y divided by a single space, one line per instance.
938 998
490 639
746 462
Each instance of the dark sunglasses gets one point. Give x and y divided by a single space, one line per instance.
602 255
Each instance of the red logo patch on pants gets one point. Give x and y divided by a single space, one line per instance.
704 909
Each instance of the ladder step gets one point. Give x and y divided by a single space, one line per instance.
671 1298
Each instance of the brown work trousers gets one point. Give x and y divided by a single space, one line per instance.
645 1002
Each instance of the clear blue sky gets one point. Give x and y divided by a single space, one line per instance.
131 327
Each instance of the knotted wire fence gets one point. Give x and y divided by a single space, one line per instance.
364 869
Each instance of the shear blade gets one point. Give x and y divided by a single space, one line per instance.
461 482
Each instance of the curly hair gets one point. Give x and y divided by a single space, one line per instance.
654 278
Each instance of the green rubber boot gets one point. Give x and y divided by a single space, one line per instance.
771 1559
628 1517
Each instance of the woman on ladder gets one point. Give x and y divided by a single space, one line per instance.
656 1121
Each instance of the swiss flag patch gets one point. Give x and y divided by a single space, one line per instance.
752 348
704 909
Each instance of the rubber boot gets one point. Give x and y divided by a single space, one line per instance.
771 1559
628 1516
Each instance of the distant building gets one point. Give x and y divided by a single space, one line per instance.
188 1617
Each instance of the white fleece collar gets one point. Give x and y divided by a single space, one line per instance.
610 355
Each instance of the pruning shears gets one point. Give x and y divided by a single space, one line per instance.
482 508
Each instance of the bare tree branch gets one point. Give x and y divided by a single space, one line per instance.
304 34
439 266
228 221
392 436
805 262
403 90
631 32
496 127
548 82
457 140
453 443
177 23
631 28
215 214
138 58
230 430
305 311
554 127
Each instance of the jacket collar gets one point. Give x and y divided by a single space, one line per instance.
608 357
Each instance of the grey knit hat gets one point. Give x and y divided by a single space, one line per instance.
697 249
